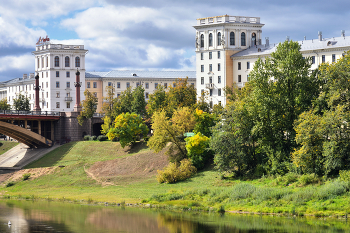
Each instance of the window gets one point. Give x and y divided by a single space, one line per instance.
57 61
67 74
57 84
127 85
219 92
47 95
38 62
57 104
47 61
165 85
68 104
243 39
239 66
192 84
219 67
66 61
47 104
68 84
88 84
146 85
155 85
254 38
109 84
232 38
57 94
219 79
174 84
68 94
118 84
218 54
248 78
137 84
118 95
211 92
77 61
210 39
202 56
57 74
202 68
42 62
95 94
47 74
210 79
94 84
202 80
219 38
210 55
313 59
333 57
202 92
202 41
248 65
47 84
210 67
146 95
239 78
323 58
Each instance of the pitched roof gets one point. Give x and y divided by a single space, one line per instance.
141 74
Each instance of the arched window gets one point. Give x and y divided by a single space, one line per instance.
254 38
57 61
210 40
77 61
202 41
66 61
243 39
47 61
232 38
219 38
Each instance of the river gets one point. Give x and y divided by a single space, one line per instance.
45 216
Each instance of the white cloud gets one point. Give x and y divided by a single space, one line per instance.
23 62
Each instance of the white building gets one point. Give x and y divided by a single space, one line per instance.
222 63
56 65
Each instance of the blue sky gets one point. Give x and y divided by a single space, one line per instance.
152 34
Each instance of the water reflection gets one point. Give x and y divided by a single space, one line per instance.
43 216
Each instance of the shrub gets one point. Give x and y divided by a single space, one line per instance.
102 138
344 175
331 190
198 149
173 173
9 184
26 176
86 137
308 179
242 191
93 138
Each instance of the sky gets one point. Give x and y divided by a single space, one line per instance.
148 34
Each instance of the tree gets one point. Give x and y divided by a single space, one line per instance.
125 102
157 101
198 150
4 105
204 122
21 103
89 106
166 130
282 87
108 110
128 127
138 104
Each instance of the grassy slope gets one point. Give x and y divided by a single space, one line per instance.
206 189
6 145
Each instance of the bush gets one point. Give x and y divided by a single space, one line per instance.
102 138
86 137
344 175
9 184
173 173
308 179
93 138
242 191
26 176
198 149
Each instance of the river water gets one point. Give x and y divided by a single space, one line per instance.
44 216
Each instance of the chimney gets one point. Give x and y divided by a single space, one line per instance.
304 37
287 38
267 44
31 75
25 76
343 33
320 35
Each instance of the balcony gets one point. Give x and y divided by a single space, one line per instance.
68 99
209 85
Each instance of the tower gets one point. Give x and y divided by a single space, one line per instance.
217 38
56 65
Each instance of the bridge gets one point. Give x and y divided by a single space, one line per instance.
33 128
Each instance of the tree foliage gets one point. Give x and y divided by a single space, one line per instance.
198 150
138 103
89 106
128 127
4 105
204 122
21 103
157 101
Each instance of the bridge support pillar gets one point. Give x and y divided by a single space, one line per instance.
39 127
52 131
25 124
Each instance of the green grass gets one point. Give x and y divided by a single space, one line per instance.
6 145
289 194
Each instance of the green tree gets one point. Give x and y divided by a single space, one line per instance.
204 122
157 101
4 105
89 106
128 127
125 101
21 102
282 87
138 104
198 150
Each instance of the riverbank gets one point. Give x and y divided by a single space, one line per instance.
104 172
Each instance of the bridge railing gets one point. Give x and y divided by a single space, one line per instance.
35 113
